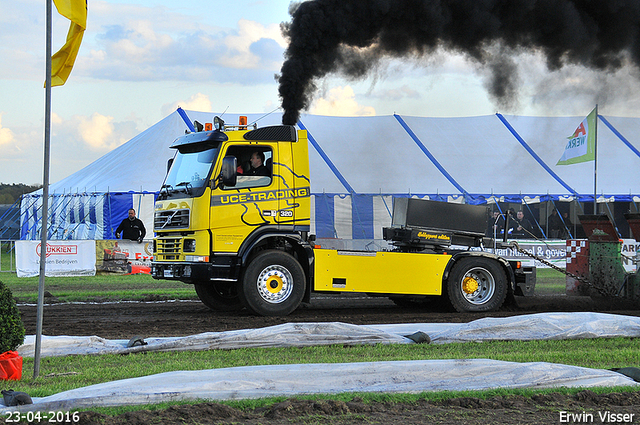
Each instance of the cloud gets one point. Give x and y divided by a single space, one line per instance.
340 101
98 132
252 40
21 159
56 119
129 42
197 102
6 135
75 142
158 44
396 94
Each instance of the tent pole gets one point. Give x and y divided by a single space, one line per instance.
534 217
546 216
595 166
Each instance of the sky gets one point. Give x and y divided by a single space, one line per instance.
140 60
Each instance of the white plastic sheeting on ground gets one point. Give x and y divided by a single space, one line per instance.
285 335
396 376
288 380
543 326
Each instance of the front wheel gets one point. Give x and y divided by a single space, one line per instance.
220 296
273 284
477 284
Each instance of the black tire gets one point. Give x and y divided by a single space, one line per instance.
273 284
477 284
219 296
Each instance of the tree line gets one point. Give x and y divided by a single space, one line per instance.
10 193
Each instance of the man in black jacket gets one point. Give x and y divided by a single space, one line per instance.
523 229
131 228
257 165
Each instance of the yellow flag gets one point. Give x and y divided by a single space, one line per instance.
62 61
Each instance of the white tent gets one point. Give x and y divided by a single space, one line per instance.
359 164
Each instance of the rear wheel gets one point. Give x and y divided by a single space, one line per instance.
273 284
220 296
477 284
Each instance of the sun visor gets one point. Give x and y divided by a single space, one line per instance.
196 142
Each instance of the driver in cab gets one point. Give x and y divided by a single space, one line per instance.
257 165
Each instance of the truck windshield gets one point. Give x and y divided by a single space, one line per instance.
189 173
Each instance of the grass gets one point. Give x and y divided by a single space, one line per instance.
64 373
105 287
550 282
102 287
7 256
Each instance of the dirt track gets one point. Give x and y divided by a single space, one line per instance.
181 318
163 318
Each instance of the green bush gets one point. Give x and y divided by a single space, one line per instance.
11 326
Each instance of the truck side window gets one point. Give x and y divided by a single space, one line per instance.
254 166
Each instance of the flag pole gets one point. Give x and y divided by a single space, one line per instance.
595 165
45 193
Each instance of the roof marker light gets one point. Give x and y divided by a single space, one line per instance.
218 123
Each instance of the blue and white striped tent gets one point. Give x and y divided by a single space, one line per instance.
360 164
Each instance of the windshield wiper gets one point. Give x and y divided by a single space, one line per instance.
166 190
187 187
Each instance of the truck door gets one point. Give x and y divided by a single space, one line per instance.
292 172
238 210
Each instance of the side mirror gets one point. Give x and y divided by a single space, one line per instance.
229 171
169 164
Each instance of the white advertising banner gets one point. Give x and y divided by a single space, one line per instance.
629 252
553 251
64 258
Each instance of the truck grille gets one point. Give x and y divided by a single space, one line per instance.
178 219
168 248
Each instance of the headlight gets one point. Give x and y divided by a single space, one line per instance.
196 258
189 245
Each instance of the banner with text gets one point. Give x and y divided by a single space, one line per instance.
63 258
123 256
553 251
629 253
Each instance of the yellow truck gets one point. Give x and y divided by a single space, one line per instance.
233 219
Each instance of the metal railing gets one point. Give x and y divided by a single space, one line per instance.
7 255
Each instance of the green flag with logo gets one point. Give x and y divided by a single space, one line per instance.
582 143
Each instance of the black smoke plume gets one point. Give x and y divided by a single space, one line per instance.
351 36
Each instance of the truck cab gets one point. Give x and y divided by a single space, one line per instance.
213 214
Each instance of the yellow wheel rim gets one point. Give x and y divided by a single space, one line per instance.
274 284
469 285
